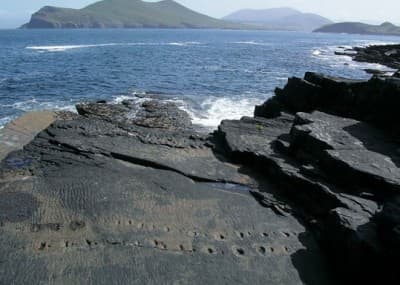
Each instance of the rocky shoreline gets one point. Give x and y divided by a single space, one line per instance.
388 55
304 192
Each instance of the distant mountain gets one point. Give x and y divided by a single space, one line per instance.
361 28
126 14
279 19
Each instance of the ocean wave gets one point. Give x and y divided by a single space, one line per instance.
4 121
35 105
213 110
62 48
316 52
184 43
252 43
205 112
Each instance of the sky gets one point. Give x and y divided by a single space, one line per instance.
14 13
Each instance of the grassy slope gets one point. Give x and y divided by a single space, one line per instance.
133 13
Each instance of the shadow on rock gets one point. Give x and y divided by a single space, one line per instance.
375 140
310 265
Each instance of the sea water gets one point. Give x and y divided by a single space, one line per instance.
212 74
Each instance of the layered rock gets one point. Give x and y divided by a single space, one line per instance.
374 101
132 194
339 168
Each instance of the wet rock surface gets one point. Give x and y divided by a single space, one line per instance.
305 192
21 131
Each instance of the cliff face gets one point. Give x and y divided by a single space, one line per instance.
125 14
360 28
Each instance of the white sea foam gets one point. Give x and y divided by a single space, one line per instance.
4 121
59 48
251 43
62 48
213 110
316 52
208 112
33 105
182 44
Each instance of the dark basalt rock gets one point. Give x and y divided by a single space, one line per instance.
388 55
352 152
338 169
137 191
150 114
156 114
389 226
253 136
107 197
377 72
374 101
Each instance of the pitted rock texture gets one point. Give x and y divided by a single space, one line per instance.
102 199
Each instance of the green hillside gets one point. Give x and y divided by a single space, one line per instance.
126 14
361 28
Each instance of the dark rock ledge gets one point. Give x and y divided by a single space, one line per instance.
388 55
305 192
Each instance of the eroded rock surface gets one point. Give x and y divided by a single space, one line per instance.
306 192
105 199
339 164
374 101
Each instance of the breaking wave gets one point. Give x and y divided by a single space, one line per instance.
62 48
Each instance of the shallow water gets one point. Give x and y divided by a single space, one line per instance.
212 74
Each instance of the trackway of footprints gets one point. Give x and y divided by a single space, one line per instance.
238 243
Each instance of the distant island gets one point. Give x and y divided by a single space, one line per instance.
279 19
126 14
386 28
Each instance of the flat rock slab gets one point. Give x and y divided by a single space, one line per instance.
180 152
254 135
105 205
22 130
130 224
